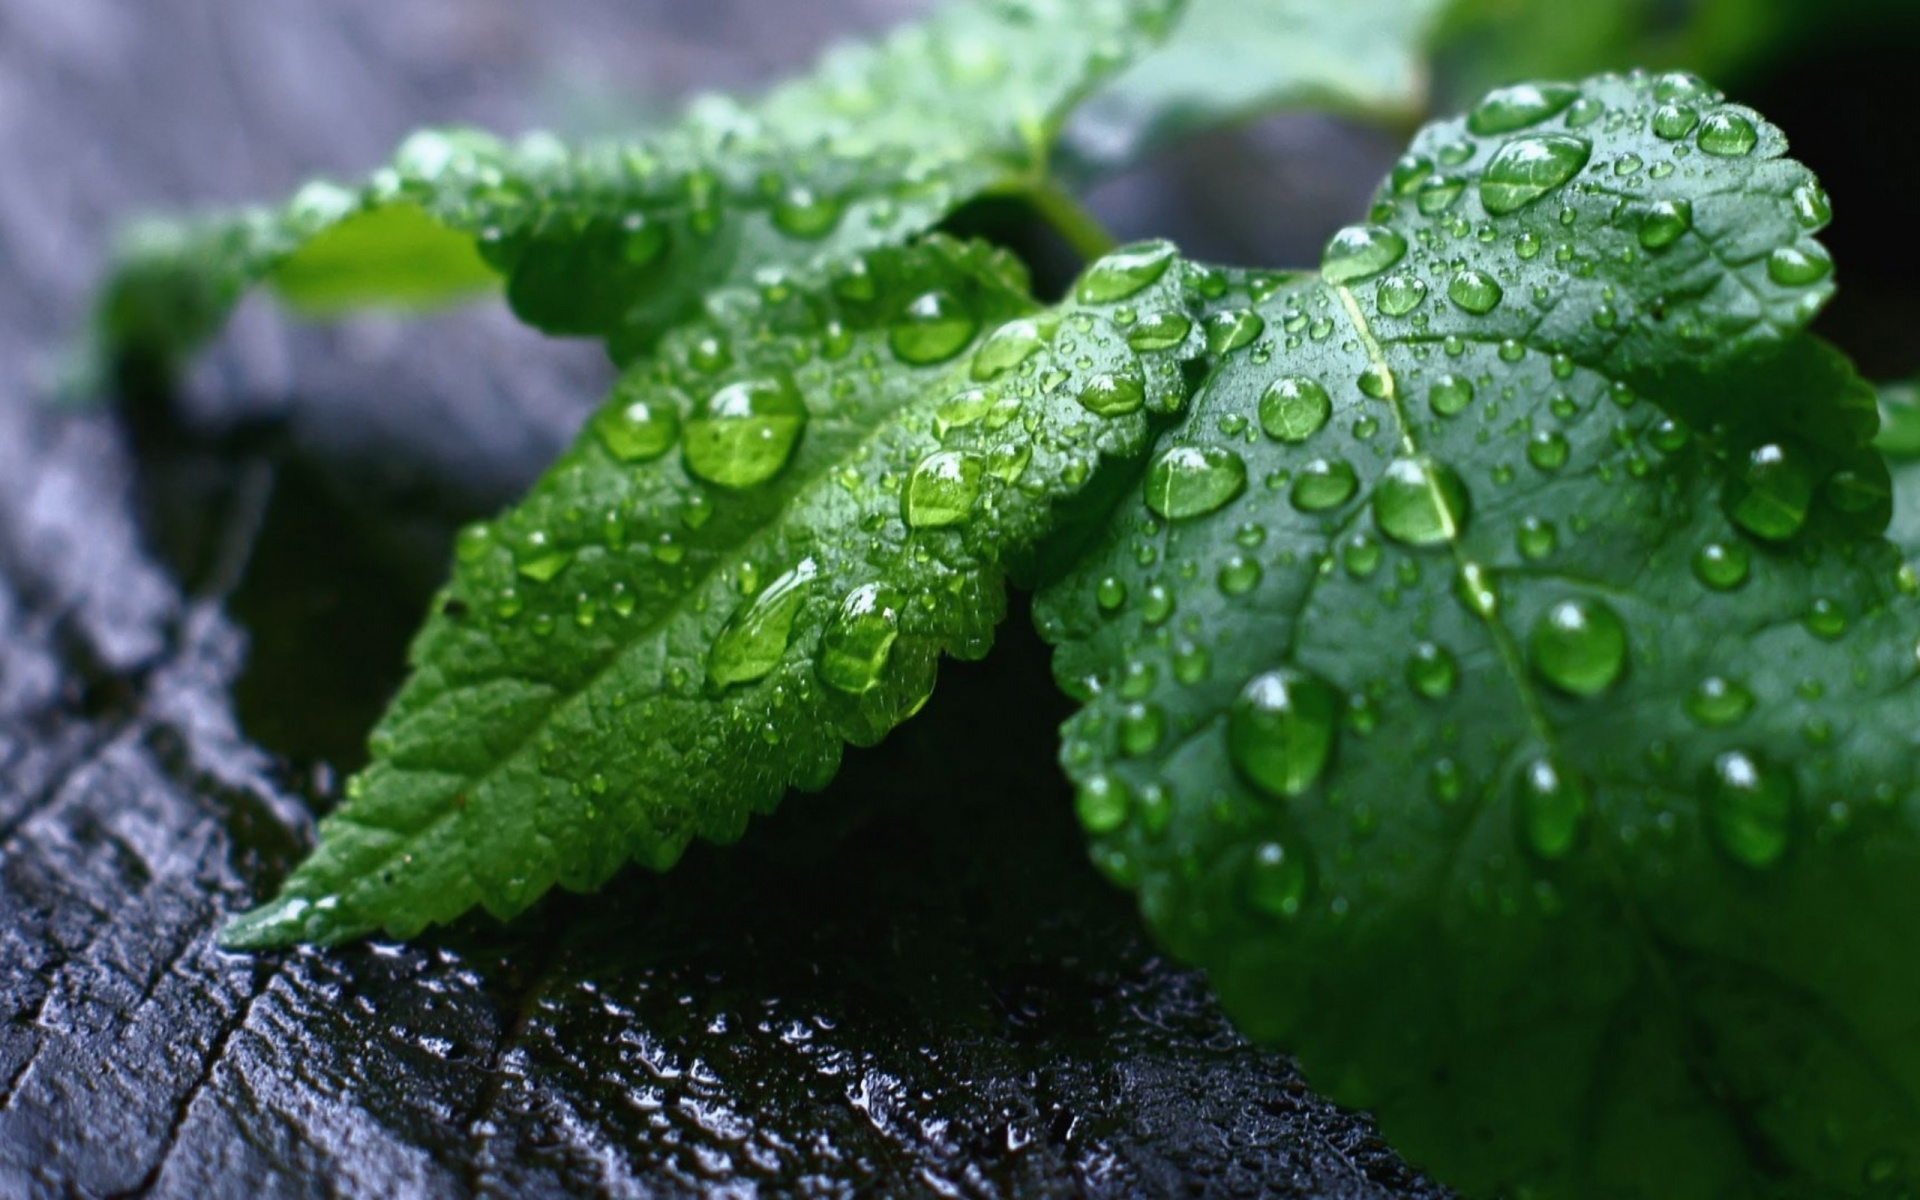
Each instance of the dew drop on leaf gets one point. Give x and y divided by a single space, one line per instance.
637 430
859 638
1579 646
1664 223
1324 483
1191 481
1113 395
1235 327
1798 266
1770 493
934 328
1101 803
1125 272
1432 671
1276 880
1450 394
1280 731
1721 566
1420 502
1475 291
941 489
1750 809
1528 168
1400 294
1510 109
1141 728
1535 538
1293 409
1006 348
745 432
1159 331
1717 702
1547 450
753 640
1727 135
1360 252
803 213
1551 808
1671 122
1239 575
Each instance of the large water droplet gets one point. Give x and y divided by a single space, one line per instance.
1665 222
1770 493
1159 331
1798 266
1280 731
1294 409
1722 566
1361 252
1102 803
752 642
1433 671
1507 109
1126 271
1191 481
933 329
1528 168
942 489
1324 483
1229 330
1113 395
1551 809
1420 502
1276 880
1450 394
1718 701
804 213
859 639
1727 135
1579 646
745 432
1400 294
1476 291
637 430
1006 348
1750 809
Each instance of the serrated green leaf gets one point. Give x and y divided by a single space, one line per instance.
1530 746
1229 60
755 552
620 239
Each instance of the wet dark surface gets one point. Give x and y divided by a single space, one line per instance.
913 984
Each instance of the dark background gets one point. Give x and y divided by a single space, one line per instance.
913 983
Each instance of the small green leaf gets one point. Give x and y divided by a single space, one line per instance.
1229 60
1530 748
620 240
755 552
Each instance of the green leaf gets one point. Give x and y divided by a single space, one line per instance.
1230 60
1530 746
756 551
620 239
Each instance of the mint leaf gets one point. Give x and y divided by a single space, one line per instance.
1229 60
1502 689
619 240
756 551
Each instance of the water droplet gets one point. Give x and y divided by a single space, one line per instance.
803 213
1420 502
942 489
1294 409
1450 394
473 543
1664 223
1770 494
1101 804
1476 291
1276 880
1528 168
1718 701
1376 382
859 639
1191 481
1141 728
1721 566
637 430
1811 207
1157 605
1552 809
1536 538
1280 731
1439 194
1323 484
1408 171
1446 782
933 329
1399 295
1727 135
1671 122
1110 593
1508 109
1239 575
1159 331
1125 272
1547 450
1750 809
1229 330
539 560
1825 620
1798 266
1006 348
1682 85
745 432
1433 671
1113 395
1360 252
754 639
1579 646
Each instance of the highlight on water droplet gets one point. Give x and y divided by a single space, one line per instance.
1191 481
859 638
1528 168
1420 502
1280 731
1360 252
1750 808
941 490
755 638
745 432
1579 646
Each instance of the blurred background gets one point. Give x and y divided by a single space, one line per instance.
912 983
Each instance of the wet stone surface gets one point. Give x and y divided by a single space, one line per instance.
913 983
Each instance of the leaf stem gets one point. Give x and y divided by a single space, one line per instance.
1082 230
